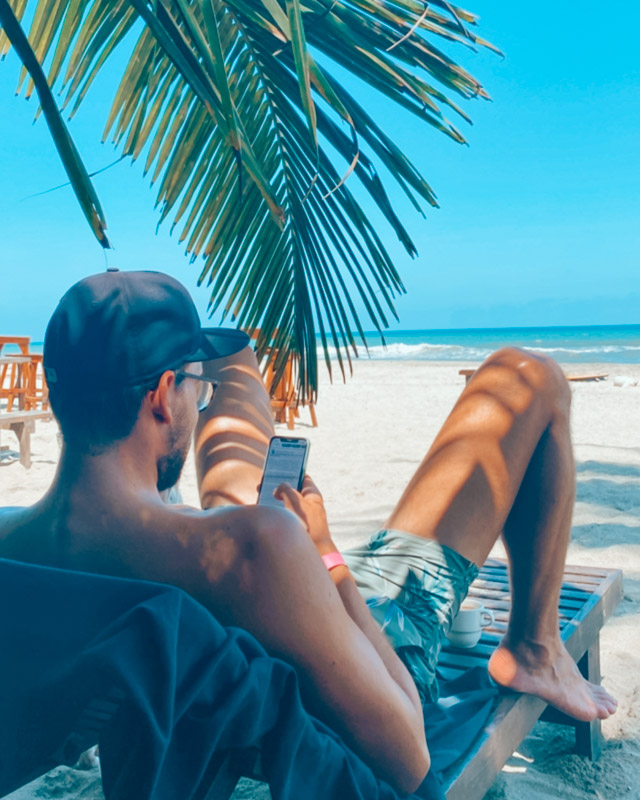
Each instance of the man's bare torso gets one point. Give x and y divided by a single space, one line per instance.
149 541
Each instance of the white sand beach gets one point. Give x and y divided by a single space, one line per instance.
372 434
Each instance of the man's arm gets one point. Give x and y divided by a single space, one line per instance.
309 508
346 663
257 568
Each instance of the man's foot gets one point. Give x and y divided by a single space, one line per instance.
551 674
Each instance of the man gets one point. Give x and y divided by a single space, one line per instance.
124 355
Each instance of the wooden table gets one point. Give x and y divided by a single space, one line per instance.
22 342
18 358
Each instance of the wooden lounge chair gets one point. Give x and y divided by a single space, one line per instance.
588 598
601 376
284 396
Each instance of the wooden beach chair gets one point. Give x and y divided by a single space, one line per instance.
13 381
284 396
22 382
600 376
588 598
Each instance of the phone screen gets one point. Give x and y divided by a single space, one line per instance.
286 461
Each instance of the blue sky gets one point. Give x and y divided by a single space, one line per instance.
538 222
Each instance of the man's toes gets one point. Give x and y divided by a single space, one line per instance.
599 691
603 696
609 702
605 704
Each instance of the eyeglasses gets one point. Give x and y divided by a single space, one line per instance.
206 392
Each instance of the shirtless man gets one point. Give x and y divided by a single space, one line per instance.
129 369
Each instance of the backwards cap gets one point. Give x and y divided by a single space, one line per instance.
119 329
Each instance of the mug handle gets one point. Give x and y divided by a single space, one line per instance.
487 617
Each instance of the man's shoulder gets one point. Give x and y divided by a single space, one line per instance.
228 512
232 520
198 518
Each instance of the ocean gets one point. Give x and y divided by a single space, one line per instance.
616 344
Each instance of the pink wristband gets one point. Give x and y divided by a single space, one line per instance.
332 560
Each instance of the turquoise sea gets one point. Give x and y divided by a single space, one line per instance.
618 344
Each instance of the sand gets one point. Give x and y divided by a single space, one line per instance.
372 434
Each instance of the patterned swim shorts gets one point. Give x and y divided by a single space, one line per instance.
413 588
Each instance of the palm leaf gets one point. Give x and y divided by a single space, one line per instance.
69 155
251 139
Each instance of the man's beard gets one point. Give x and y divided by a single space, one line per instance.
170 465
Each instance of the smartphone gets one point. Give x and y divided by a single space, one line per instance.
286 463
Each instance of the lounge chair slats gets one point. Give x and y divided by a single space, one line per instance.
516 714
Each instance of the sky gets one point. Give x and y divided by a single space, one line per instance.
538 219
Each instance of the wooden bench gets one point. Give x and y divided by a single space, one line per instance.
22 423
468 373
588 598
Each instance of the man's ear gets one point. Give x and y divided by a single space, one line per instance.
161 398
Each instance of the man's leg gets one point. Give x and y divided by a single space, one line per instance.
233 433
503 463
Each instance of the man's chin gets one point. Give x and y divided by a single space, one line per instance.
169 471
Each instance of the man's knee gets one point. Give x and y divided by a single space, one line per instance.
537 373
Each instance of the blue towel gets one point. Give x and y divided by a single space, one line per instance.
453 723
148 672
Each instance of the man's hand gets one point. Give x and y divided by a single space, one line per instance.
308 506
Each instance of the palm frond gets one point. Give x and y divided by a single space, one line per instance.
68 152
237 110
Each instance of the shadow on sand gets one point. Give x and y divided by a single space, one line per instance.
605 534
613 491
606 468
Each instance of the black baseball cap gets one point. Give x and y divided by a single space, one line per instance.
119 329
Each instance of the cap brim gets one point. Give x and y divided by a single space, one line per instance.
218 343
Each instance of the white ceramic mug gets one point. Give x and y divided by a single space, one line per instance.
467 625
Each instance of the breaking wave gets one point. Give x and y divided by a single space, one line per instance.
430 351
